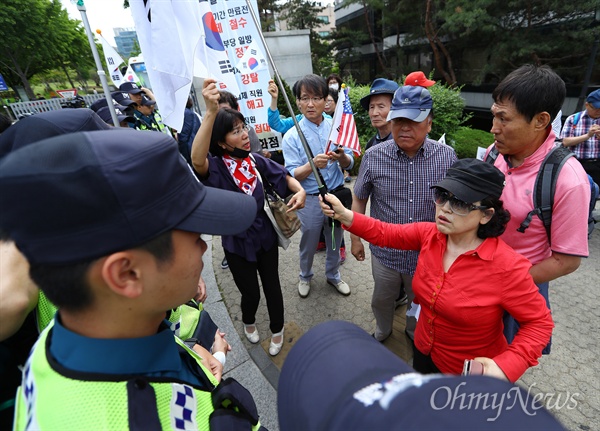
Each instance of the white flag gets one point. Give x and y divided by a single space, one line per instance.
172 34
442 139
113 61
131 76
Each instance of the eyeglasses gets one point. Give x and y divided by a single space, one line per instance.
328 101
310 99
458 207
240 130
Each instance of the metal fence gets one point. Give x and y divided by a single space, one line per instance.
36 106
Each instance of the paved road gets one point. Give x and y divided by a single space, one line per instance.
568 379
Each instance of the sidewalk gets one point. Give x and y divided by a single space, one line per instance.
569 378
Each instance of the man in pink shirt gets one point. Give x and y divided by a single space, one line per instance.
525 103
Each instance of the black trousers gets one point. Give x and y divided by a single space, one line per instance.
245 276
423 363
592 168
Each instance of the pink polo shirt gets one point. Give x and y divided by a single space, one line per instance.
569 213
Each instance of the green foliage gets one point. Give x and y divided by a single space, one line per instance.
136 50
448 112
267 10
448 117
301 14
480 40
281 105
361 118
466 141
37 36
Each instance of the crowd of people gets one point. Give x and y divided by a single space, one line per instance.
105 250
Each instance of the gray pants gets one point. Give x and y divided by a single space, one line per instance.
313 221
388 283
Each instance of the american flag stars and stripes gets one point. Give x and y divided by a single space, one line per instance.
343 131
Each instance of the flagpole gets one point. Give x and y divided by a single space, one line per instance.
100 71
320 184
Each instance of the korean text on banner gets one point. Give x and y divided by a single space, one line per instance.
179 40
244 47
113 61
343 131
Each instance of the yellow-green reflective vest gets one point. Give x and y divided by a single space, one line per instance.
51 400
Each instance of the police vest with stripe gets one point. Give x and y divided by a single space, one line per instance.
54 398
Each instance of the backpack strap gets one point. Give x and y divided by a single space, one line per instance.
576 119
492 155
545 187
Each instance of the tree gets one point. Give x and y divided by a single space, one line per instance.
480 40
267 10
301 14
37 35
304 15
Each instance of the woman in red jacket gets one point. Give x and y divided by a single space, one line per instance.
466 277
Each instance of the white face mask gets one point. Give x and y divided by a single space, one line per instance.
335 86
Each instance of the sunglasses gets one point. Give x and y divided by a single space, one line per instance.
458 207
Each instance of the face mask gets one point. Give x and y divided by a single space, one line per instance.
335 86
238 153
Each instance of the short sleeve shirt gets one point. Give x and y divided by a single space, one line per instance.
399 189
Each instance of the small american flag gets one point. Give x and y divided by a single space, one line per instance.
343 131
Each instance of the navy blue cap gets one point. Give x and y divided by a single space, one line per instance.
85 195
411 102
338 377
104 113
122 98
48 124
103 103
130 87
472 180
594 99
379 86
146 101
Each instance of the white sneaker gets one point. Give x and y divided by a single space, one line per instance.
253 337
341 287
275 348
303 288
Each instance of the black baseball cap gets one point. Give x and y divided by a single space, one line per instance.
84 195
123 99
338 377
130 87
48 124
472 180
146 101
104 113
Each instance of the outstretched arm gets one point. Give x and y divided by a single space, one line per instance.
333 208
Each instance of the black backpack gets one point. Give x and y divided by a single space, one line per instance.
545 185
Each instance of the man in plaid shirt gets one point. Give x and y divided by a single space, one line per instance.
396 175
581 132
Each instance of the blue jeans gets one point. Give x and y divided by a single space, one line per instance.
511 326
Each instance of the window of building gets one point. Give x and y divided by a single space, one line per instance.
323 18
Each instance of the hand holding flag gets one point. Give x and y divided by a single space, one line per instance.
343 132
